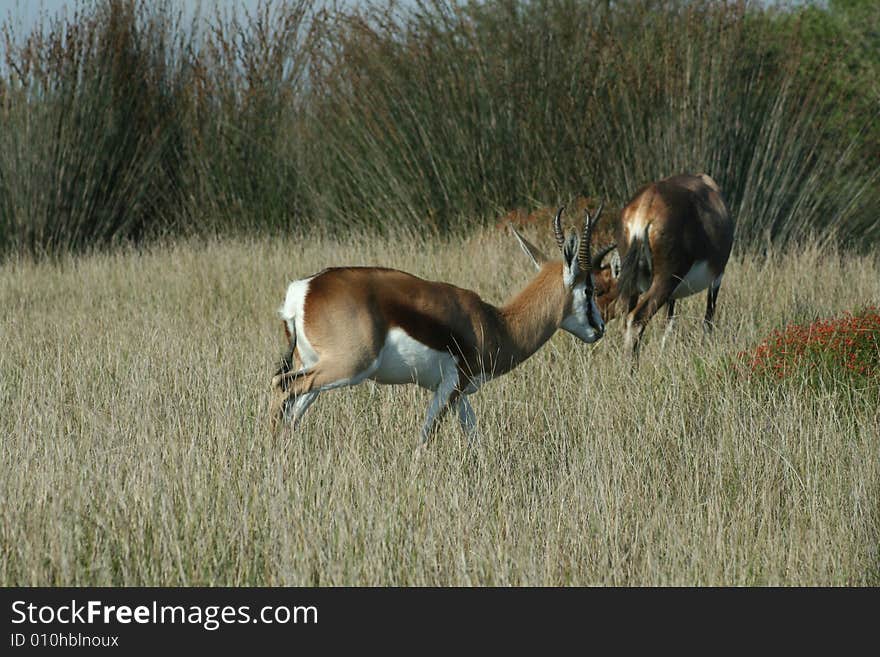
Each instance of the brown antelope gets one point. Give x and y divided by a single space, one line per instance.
674 240
346 325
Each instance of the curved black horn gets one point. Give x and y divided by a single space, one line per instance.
584 259
557 229
596 261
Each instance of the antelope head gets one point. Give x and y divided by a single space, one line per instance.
605 275
582 317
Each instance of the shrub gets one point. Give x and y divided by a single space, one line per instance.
847 345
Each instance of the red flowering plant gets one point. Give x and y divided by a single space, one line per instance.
849 345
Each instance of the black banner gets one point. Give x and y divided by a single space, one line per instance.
149 619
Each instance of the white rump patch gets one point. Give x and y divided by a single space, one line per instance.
698 278
638 230
636 226
404 359
292 311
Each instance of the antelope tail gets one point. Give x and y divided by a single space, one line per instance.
635 265
286 363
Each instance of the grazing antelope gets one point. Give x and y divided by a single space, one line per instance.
346 325
674 240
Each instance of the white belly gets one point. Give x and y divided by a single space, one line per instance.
406 360
698 278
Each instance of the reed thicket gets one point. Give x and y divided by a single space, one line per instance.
127 120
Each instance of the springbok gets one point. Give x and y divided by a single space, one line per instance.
346 325
673 240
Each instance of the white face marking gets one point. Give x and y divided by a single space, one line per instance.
583 307
404 359
568 275
698 278
293 313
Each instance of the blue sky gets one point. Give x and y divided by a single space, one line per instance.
26 12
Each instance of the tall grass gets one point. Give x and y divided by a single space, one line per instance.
249 157
476 108
92 139
135 447
126 120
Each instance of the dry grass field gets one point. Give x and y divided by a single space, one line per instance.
135 452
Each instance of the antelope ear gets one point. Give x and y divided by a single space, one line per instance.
615 263
535 255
